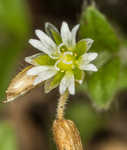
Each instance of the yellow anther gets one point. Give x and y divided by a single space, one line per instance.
75 54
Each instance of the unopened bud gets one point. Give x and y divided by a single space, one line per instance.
20 85
66 135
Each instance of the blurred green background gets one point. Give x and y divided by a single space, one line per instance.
26 123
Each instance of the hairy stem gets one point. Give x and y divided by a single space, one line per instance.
61 105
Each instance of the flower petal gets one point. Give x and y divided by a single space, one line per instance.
36 70
45 38
66 34
73 34
89 43
44 75
89 67
37 44
88 57
67 82
72 85
29 59
47 42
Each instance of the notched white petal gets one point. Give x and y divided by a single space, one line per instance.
74 33
72 85
67 83
45 38
44 75
89 43
89 67
36 43
36 70
66 34
48 45
88 57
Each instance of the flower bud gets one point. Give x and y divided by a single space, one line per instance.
66 135
20 85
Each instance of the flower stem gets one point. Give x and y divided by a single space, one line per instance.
61 105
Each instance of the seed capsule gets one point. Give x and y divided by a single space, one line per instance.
66 135
20 85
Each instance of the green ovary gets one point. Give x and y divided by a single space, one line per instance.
66 62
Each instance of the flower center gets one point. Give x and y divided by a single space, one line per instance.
66 61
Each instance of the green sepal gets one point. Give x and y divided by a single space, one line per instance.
80 48
53 82
44 60
53 32
79 75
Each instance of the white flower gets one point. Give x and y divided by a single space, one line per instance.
64 61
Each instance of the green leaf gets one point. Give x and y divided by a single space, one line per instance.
53 32
44 60
103 84
54 82
7 137
103 58
94 25
80 48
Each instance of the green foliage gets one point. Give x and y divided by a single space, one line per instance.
14 31
103 84
95 25
7 137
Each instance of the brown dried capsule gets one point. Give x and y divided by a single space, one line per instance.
20 85
66 135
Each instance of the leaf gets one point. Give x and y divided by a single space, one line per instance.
7 137
94 25
103 84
